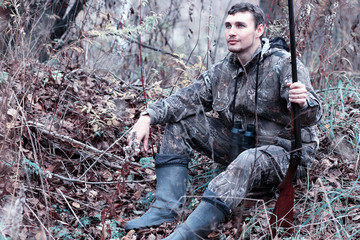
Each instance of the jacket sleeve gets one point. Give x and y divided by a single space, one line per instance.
311 113
188 101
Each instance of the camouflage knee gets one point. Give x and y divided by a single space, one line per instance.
265 165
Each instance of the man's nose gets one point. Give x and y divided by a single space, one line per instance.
231 31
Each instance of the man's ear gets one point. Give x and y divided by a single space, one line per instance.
259 30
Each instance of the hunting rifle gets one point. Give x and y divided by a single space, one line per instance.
283 215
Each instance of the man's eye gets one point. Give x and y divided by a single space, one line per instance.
228 26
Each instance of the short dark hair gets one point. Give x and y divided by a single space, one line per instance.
256 11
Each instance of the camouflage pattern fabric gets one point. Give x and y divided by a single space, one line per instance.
214 90
264 167
212 137
205 134
189 128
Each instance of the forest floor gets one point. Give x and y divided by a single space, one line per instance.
66 171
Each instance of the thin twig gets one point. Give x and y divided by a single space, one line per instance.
96 183
104 152
327 58
72 210
188 59
32 189
341 217
70 140
337 89
267 218
37 218
153 48
123 37
25 125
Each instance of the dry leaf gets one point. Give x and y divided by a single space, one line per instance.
107 175
40 236
93 193
130 235
76 204
137 195
12 112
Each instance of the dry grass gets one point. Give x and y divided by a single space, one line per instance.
61 118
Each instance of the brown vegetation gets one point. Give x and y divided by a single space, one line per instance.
65 169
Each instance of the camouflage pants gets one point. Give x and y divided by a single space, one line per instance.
211 136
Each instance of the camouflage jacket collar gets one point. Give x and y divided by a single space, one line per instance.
264 50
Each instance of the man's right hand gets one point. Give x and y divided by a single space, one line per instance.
142 131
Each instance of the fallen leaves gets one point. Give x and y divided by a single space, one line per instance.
83 115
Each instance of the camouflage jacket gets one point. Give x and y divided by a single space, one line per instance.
214 90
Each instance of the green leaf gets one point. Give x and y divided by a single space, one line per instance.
57 76
4 76
146 162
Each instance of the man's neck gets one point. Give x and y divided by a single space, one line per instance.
245 57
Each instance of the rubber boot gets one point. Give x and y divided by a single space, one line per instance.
210 212
171 173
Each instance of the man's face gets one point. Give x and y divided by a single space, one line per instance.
240 32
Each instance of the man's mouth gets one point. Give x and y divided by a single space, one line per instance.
232 42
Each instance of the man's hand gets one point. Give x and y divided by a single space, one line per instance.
142 131
297 93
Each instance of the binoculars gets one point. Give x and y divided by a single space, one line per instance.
241 139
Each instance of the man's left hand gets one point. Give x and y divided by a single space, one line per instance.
297 93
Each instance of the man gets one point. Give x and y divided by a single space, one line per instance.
253 85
